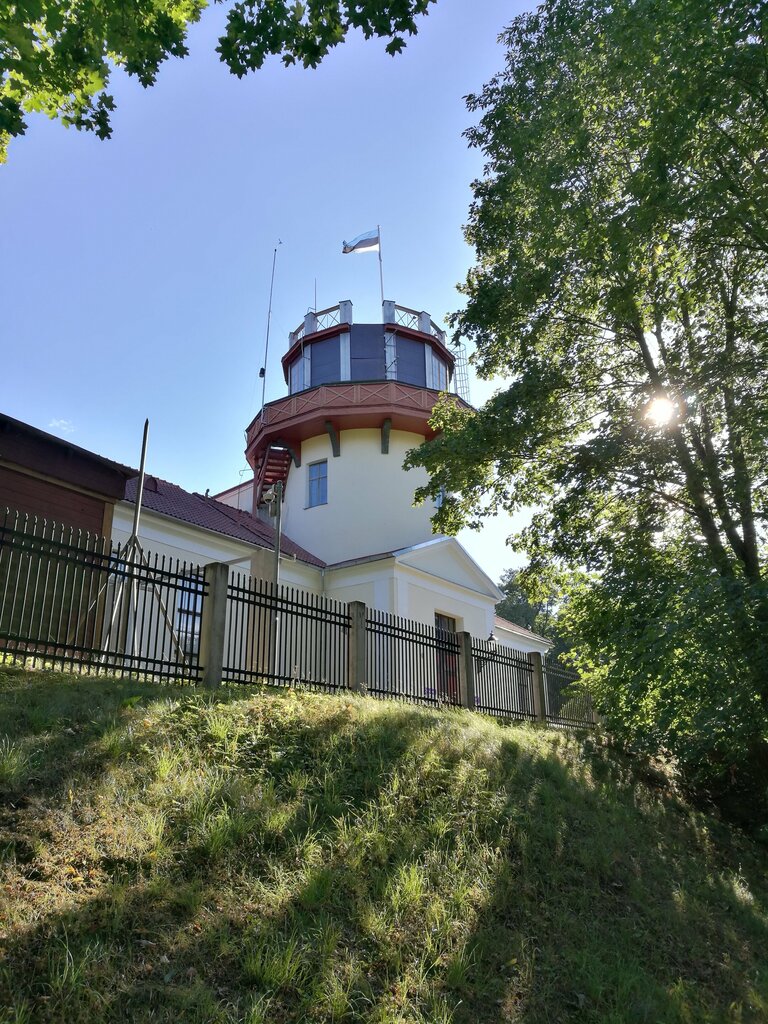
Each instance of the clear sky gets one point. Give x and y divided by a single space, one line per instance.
134 273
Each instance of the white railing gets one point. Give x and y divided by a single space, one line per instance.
328 318
411 319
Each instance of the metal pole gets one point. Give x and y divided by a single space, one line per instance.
278 526
140 486
269 320
278 530
131 597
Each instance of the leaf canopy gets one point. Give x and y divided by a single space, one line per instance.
56 56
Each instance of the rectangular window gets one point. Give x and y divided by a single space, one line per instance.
318 484
188 616
326 362
411 364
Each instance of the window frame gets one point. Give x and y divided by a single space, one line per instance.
316 481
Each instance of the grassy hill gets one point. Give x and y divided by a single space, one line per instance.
284 857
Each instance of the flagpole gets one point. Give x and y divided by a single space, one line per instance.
381 270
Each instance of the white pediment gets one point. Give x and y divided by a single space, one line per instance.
445 559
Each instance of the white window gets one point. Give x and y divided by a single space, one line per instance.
390 349
318 484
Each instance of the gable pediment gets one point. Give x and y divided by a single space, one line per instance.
445 559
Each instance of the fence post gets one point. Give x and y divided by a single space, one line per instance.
539 699
213 623
466 672
357 641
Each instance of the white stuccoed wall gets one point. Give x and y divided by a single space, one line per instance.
370 498
240 497
161 535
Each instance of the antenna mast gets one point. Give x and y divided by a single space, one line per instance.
263 371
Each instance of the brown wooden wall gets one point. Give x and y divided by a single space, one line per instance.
50 501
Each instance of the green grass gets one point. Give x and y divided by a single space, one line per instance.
167 856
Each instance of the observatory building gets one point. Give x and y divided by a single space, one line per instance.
360 396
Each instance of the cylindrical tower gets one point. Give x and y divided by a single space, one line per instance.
360 396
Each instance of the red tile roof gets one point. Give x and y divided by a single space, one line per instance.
197 510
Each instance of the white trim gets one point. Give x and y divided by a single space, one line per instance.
345 364
430 368
390 355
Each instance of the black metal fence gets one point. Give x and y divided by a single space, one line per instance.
284 635
504 682
410 660
73 599
565 701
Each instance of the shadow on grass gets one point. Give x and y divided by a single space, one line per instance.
398 865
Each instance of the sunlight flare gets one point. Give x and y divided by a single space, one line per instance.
660 411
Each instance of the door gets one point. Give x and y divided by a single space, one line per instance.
447 658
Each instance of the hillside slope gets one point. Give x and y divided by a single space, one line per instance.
286 857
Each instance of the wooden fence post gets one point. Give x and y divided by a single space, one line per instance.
466 672
539 699
213 623
357 647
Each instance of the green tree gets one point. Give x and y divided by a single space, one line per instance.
56 56
515 607
533 603
621 229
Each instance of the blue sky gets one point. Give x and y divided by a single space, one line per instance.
134 273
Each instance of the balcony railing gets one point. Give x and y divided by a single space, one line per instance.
324 319
403 316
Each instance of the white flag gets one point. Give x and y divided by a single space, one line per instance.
369 242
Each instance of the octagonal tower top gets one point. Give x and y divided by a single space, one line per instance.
329 347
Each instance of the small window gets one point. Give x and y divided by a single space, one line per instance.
188 615
318 484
